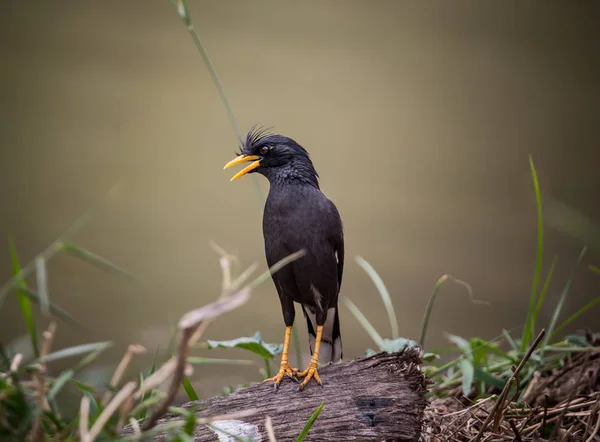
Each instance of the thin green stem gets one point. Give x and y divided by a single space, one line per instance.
184 13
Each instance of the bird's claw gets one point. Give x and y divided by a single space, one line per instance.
308 374
284 369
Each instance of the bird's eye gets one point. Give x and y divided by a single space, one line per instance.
264 150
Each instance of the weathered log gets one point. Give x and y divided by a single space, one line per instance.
376 398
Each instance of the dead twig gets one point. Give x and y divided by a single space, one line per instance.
571 396
132 350
500 403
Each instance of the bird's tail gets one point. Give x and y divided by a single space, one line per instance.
331 339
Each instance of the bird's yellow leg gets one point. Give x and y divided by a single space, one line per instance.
284 367
311 371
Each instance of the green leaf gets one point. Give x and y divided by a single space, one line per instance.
397 345
578 340
94 407
595 269
310 423
463 344
96 261
83 386
479 349
24 301
430 356
483 376
370 352
189 389
468 373
255 344
190 422
528 330
383 293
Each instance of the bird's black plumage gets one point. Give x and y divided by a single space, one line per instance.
297 215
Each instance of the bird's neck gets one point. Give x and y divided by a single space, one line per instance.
297 172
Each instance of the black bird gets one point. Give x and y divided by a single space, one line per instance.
297 216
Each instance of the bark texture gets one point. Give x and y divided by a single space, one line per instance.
375 398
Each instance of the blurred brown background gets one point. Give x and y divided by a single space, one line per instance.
419 118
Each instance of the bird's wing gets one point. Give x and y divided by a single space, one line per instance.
339 253
338 243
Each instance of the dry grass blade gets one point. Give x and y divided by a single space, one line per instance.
84 418
193 319
132 350
37 433
499 406
110 409
515 430
431 302
571 396
595 431
270 430
189 326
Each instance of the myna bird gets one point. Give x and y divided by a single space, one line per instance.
297 216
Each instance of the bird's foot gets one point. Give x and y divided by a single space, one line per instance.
310 373
284 369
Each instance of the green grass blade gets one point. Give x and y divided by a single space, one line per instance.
575 315
431 302
464 345
97 261
510 340
528 330
540 300
54 248
41 276
364 322
310 423
184 13
595 269
189 389
55 310
199 360
383 292
561 300
92 356
76 351
276 267
60 382
24 301
147 395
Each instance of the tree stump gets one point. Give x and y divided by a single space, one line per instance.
376 398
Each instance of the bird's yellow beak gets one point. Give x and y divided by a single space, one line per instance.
243 159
